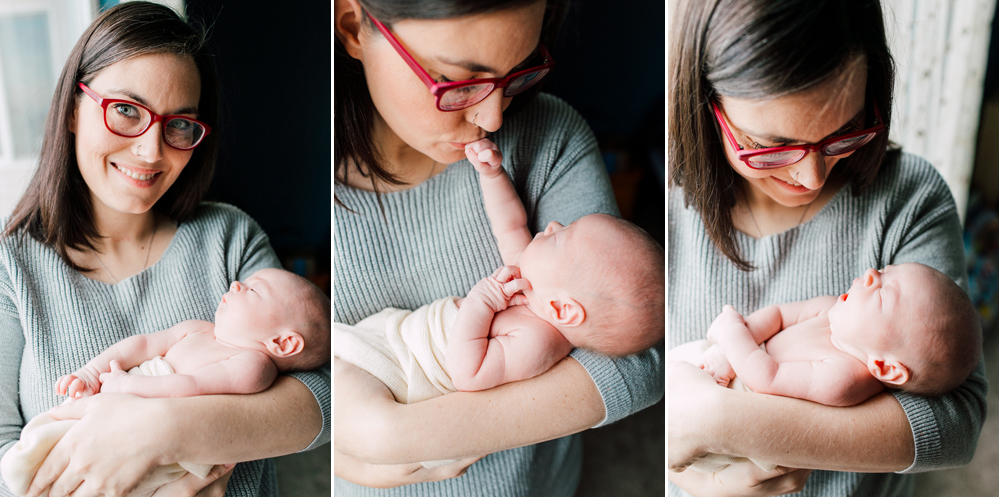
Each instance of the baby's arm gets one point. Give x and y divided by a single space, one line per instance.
245 373
128 353
475 360
503 207
832 381
768 321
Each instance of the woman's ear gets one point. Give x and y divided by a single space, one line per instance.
71 122
567 312
889 371
347 16
287 344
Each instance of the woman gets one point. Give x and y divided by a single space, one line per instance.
111 240
411 228
752 225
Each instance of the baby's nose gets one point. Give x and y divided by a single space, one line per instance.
552 227
235 286
871 276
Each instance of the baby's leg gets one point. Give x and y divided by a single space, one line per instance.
689 352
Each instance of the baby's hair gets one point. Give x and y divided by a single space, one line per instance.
956 340
626 312
314 326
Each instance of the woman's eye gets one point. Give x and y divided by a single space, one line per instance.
129 111
180 124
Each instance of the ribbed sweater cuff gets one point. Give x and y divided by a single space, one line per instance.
926 437
320 388
610 382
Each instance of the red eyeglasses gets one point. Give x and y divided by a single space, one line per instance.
458 95
129 119
774 157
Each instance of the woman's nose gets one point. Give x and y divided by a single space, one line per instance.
811 172
490 111
150 146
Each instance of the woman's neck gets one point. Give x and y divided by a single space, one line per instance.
759 215
117 228
409 165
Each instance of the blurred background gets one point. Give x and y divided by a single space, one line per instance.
274 65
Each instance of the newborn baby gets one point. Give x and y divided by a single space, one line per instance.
906 327
273 322
597 284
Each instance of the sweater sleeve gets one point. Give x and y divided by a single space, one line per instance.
578 185
12 339
946 428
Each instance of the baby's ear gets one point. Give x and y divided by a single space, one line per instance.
286 344
889 370
567 312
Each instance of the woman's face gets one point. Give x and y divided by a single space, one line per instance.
129 175
480 46
832 108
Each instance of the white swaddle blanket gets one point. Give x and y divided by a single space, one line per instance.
404 349
41 434
691 352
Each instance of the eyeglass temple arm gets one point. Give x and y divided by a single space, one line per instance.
421 73
88 91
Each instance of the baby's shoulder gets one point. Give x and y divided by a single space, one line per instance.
518 318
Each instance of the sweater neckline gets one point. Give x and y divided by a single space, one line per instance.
835 199
181 228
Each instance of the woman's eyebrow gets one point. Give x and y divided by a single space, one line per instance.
137 98
785 139
473 66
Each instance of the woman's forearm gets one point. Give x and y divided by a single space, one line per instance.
373 428
871 437
218 429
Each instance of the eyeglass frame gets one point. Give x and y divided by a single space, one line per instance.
154 117
439 88
746 155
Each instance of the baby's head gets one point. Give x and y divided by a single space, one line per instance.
280 314
599 281
912 325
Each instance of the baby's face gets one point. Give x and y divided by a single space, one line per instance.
252 310
880 306
553 255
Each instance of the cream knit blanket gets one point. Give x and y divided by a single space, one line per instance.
41 434
404 349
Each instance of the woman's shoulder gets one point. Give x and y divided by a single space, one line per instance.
216 215
905 178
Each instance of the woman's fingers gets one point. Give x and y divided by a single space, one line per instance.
52 467
747 479
190 485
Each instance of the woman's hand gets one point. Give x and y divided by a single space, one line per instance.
107 452
213 485
744 479
689 407
395 475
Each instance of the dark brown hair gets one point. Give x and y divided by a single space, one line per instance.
763 49
354 147
56 209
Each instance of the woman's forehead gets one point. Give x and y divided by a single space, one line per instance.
166 82
494 42
807 116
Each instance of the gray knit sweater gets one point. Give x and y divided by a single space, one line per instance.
53 319
435 241
907 215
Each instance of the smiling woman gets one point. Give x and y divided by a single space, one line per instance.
112 240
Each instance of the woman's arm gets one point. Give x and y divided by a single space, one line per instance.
373 428
12 339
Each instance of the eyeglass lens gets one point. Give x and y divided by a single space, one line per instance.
132 120
466 96
784 158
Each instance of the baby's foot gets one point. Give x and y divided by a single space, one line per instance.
485 156
715 364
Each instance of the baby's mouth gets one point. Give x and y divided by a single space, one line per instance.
843 297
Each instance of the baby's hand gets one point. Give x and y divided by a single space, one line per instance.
725 320
81 383
715 364
502 289
112 382
485 156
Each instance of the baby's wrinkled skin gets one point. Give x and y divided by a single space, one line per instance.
836 351
236 354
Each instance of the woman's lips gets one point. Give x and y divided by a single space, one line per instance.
460 146
142 178
796 189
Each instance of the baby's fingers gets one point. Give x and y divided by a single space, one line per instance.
506 273
515 286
